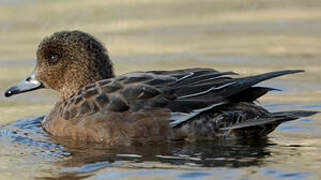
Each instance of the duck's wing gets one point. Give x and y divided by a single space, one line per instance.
134 92
198 92
184 93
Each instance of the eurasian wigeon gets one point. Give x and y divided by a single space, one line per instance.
181 105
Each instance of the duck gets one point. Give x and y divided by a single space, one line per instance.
188 105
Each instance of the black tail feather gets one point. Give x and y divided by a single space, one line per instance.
278 118
296 114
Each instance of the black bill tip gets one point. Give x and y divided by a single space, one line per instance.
28 84
8 93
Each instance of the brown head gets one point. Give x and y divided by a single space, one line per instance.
67 61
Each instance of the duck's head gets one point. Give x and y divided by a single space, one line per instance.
67 61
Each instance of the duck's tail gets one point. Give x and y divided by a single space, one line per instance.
295 114
262 127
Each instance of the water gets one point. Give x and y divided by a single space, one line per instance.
46 157
244 36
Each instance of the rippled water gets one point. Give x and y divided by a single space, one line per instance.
25 145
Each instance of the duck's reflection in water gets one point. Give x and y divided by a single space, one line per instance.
84 159
199 154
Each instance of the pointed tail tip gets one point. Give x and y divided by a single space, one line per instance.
296 71
298 114
284 72
306 113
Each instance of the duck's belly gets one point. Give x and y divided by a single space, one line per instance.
153 125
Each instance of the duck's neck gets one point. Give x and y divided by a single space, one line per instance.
66 91
97 68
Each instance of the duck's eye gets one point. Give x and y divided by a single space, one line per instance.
53 58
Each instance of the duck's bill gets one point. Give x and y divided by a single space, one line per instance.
28 84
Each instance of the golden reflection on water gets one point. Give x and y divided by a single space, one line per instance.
247 37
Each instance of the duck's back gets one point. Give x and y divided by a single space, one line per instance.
189 104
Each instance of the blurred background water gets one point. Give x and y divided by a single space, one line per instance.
246 36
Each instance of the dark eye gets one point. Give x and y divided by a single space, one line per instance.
53 58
